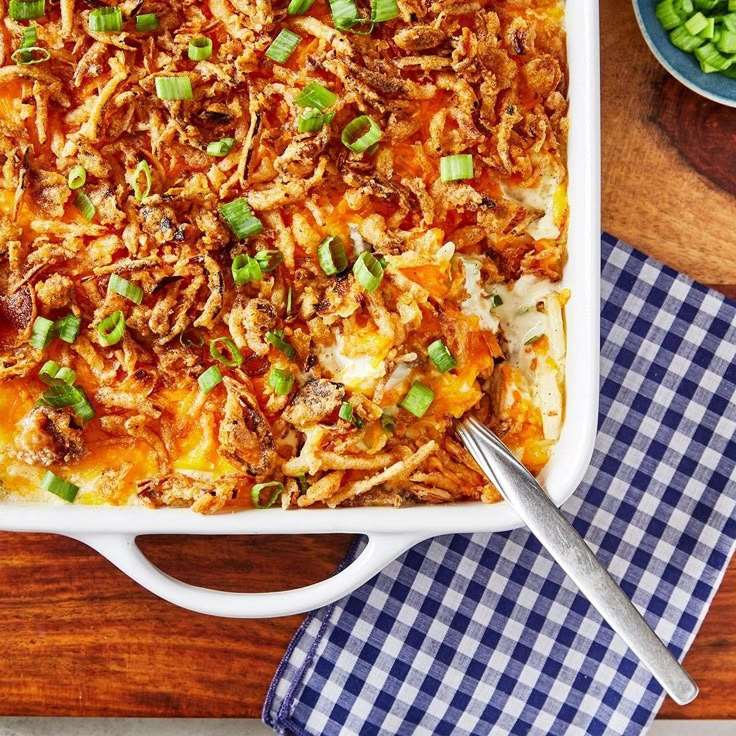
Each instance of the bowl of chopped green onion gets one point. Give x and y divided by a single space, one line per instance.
695 40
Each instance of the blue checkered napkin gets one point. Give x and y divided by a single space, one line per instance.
483 634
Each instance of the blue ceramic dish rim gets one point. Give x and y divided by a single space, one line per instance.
656 38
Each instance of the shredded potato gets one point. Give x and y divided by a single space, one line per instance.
329 383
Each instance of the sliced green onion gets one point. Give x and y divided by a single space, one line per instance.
708 32
281 381
346 412
61 396
283 46
315 95
54 374
235 357
312 120
441 356
288 301
42 333
302 482
388 423
299 7
255 493
246 269
27 9
146 22
454 168
667 15
269 260
174 88
77 177
533 334
496 301
685 7
729 21
67 328
84 204
221 147
200 48
112 328
82 408
240 218
106 20
277 340
344 14
726 44
145 169
361 133
29 37
191 338
59 487
382 10
209 379
418 400
332 256
695 24
25 56
368 271
125 288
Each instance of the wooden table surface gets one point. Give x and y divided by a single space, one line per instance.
79 638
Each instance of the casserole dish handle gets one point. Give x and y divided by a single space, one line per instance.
123 552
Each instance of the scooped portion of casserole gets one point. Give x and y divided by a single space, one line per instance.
258 253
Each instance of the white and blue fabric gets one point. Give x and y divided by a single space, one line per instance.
482 633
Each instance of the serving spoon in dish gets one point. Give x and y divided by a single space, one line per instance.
518 486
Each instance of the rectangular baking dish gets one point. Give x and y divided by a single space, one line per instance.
112 531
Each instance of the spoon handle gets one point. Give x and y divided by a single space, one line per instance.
567 547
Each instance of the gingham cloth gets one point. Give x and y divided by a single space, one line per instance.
483 633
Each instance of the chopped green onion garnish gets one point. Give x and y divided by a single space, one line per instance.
533 335
235 358
299 7
27 9
302 482
441 356
368 271
361 133
59 487
25 56
710 29
246 269
191 338
269 260
42 333
288 301
125 288
684 40
255 493
200 48
174 88
668 16
240 218
29 37
382 10
277 340
280 381
65 395
312 120
112 328
54 374
83 409
695 24
726 44
418 400
77 177
332 256
344 14
496 301
145 169
709 55
221 147
283 46
346 412
67 328
209 379
315 95
388 423
106 20
146 22
454 168
84 204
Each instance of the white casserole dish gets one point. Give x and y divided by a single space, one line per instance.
112 531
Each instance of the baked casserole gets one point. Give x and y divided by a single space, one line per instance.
257 254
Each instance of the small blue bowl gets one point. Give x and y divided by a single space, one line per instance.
683 67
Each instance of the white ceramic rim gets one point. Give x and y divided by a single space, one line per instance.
112 531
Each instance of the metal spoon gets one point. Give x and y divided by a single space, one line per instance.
546 522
